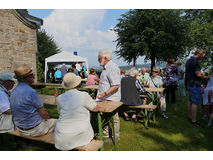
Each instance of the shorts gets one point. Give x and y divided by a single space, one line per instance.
43 128
195 94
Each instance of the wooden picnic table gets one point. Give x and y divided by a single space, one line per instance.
107 107
46 84
154 89
48 99
92 87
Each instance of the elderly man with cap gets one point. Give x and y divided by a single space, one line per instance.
73 127
29 115
7 82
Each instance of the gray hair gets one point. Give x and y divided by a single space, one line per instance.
133 72
106 54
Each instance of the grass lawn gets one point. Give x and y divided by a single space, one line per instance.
173 134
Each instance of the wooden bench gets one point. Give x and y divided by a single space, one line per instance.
94 145
48 99
145 112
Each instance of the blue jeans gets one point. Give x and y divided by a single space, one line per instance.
195 94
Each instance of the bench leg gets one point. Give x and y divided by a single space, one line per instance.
100 130
146 118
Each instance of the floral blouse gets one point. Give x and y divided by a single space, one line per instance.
171 75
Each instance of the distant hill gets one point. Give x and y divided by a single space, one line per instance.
138 66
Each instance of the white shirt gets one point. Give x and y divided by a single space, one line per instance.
206 92
73 127
78 67
110 76
6 123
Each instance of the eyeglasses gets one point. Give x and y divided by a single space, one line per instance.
155 71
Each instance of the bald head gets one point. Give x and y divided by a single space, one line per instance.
143 70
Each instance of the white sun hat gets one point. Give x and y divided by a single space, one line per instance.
70 81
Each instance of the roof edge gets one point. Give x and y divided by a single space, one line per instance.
26 19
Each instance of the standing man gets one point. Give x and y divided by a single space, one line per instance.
193 78
74 70
109 86
63 70
7 82
29 115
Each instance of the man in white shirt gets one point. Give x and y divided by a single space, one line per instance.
78 67
7 82
109 86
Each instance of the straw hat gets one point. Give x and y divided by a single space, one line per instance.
23 71
7 76
70 81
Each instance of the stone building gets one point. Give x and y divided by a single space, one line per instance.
18 41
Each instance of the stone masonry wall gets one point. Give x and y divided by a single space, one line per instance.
18 43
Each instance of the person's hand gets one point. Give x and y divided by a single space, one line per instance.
101 95
43 112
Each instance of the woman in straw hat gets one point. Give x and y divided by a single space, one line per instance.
29 115
73 127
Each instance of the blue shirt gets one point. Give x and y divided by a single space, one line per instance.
24 103
58 74
192 67
75 72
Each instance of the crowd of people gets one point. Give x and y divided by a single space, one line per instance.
22 109
56 75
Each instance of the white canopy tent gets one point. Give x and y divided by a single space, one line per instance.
63 57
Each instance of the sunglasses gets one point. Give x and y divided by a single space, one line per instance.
155 71
31 76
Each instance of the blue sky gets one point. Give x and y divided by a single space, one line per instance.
86 31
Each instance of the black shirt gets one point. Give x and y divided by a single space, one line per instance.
192 67
129 92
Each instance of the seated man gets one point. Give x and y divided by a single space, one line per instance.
7 82
74 70
130 93
29 115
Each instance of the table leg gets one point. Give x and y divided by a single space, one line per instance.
113 131
100 129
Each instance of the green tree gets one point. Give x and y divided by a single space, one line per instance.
46 48
156 34
202 31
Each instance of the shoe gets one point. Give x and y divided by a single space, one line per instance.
209 124
196 124
205 117
134 120
110 140
164 116
127 118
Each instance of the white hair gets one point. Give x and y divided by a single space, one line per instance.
106 54
133 72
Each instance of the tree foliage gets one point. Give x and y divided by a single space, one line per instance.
156 34
202 31
46 48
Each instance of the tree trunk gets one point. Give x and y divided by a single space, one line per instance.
152 62
134 62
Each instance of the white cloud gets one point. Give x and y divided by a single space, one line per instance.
80 30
